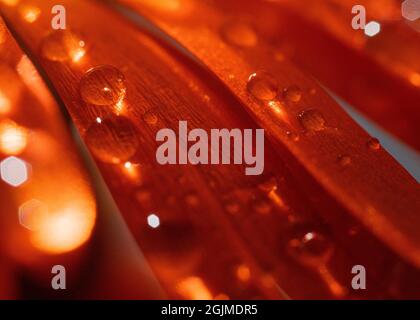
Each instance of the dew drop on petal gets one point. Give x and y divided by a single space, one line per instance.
192 200
240 34
114 140
232 207
374 144
103 85
263 86
262 206
63 45
292 94
312 120
150 117
344 160
292 136
312 249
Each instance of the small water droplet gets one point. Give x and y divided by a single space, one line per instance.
243 273
292 94
262 206
29 13
181 179
150 117
232 207
269 185
240 34
63 45
353 231
292 136
279 56
344 160
145 198
263 86
192 200
312 120
103 85
313 249
374 144
114 140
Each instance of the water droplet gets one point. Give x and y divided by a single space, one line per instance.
192 200
344 160
263 86
262 206
269 185
313 249
279 56
312 120
103 85
232 207
181 179
353 231
292 94
145 198
292 136
114 140
374 144
63 45
150 117
29 13
239 34
243 273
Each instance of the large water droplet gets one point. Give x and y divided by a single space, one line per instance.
312 120
103 85
114 140
63 45
292 94
239 34
374 144
313 249
263 86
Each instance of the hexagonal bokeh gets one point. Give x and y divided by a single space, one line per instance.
372 28
14 171
31 214
153 221
410 9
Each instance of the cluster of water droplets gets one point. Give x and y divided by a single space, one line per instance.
264 87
